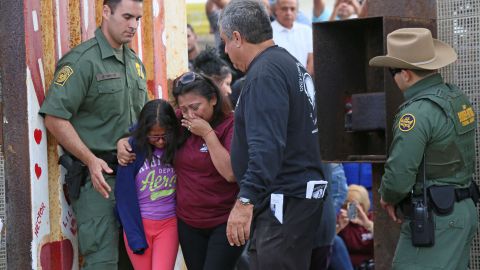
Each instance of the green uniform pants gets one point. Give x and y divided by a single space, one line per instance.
98 229
453 237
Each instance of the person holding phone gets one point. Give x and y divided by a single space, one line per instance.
355 227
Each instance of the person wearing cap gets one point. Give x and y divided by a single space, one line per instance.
435 123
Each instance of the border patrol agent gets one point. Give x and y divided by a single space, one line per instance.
436 122
98 91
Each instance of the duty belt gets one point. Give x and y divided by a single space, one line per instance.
460 195
110 158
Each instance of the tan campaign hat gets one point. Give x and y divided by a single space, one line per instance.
414 48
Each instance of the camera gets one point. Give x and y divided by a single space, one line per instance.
352 210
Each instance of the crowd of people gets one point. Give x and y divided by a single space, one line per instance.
231 171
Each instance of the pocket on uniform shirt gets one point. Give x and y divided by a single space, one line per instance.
111 91
140 94
111 86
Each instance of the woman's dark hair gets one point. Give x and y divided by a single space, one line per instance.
204 87
209 63
157 112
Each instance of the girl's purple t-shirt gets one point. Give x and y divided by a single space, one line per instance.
156 188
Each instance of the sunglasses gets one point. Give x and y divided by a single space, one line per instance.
189 77
158 138
186 78
394 71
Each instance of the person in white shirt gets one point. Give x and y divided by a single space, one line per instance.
296 38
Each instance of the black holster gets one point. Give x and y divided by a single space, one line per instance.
75 176
442 199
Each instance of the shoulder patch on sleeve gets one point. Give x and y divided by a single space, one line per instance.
407 122
466 116
63 75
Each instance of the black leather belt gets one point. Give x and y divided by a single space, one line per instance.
110 158
460 195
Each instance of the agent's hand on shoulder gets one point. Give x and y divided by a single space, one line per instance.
124 152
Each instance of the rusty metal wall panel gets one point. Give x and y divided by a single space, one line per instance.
3 243
88 22
341 68
175 40
159 49
342 50
425 9
15 141
459 26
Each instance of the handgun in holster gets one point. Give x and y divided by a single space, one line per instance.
422 224
75 176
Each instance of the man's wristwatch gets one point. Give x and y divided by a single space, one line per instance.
244 201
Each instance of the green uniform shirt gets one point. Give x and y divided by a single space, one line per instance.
98 91
423 126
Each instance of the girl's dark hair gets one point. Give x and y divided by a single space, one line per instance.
204 87
209 63
157 112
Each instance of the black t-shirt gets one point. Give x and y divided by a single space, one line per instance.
275 147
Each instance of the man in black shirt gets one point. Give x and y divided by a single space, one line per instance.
275 152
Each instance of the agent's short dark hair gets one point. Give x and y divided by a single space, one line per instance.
157 112
248 17
113 3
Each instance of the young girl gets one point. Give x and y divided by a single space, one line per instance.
145 190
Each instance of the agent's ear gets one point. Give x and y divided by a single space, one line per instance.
407 75
106 12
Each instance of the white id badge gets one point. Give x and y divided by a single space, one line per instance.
276 206
316 189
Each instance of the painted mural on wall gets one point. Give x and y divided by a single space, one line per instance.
37 139
47 39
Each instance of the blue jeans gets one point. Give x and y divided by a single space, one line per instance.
340 260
